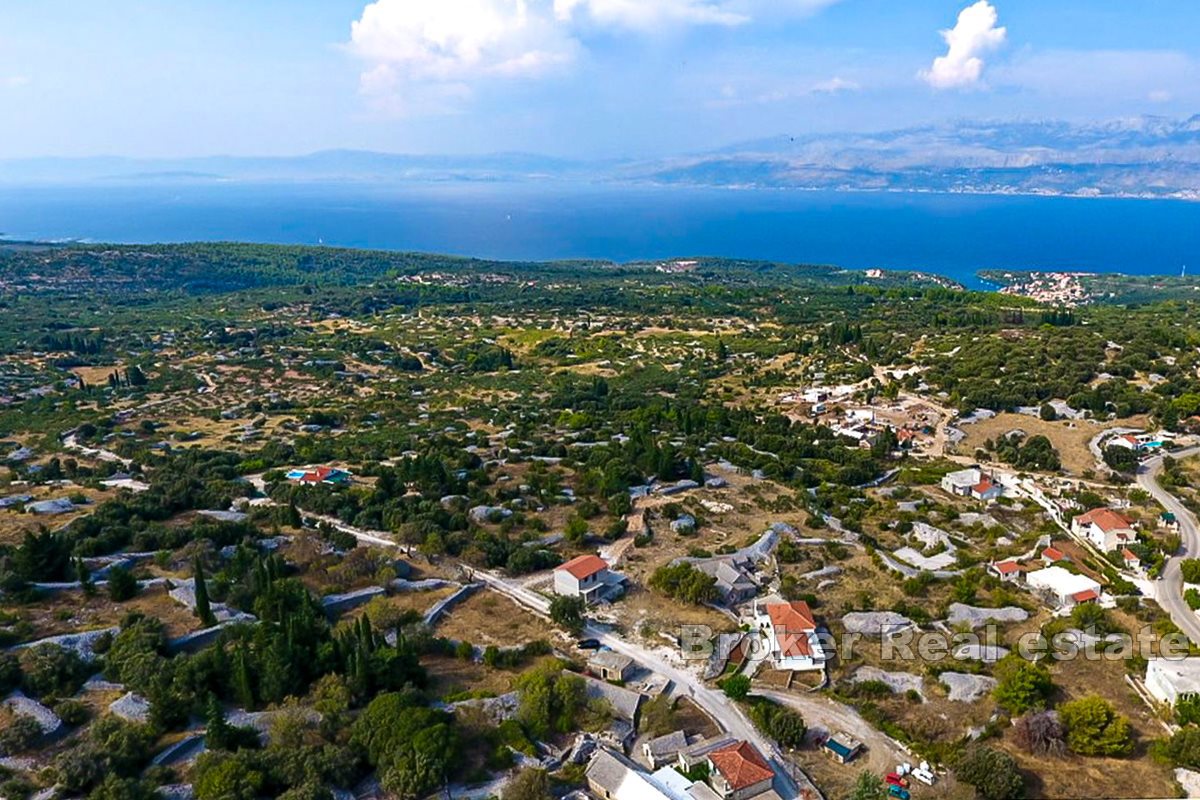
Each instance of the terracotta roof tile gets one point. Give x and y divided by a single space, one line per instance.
584 566
741 765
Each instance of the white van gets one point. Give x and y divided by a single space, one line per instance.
924 776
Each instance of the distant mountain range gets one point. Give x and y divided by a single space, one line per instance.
1142 157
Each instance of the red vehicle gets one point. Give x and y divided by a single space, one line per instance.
894 779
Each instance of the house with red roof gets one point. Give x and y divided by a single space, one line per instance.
1009 571
739 771
1126 440
312 476
1130 558
973 483
1053 555
790 631
589 577
1106 528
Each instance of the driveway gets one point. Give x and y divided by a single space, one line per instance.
820 712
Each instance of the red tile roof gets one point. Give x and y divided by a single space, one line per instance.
319 474
1006 567
1106 520
741 765
1085 596
792 622
584 566
985 483
1053 553
1128 555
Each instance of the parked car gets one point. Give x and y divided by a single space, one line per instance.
893 779
925 776
899 792
588 644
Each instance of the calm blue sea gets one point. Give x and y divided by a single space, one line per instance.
954 235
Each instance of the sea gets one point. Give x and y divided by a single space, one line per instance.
954 235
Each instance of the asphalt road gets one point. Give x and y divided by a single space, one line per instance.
1170 588
714 702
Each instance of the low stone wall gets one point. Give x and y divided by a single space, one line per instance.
441 607
335 604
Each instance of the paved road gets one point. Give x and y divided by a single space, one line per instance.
714 702
1170 588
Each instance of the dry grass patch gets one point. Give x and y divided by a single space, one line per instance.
486 618
452 676
1069 437
73 612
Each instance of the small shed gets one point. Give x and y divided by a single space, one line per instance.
842 747
611 666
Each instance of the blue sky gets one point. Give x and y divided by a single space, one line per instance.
566 77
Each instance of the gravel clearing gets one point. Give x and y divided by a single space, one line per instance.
131 707
898 682
987 653
80 643
24 706
876 623
966 688
976 617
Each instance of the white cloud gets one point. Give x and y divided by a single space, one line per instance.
834 85
1160 96
655 15
974 34
429 55
419 43
14 81
649 14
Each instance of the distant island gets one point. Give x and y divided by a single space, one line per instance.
1144 157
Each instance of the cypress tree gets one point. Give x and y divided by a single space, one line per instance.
243 690
216 734
84 576
203 607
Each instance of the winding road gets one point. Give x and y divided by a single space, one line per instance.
724 711
1170 588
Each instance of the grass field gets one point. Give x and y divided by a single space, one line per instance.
1069 438
486 618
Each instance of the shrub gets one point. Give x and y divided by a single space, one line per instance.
122 585
568 612
736 687
1040 733
19 735
51 671
1022 685
1094 728
994 774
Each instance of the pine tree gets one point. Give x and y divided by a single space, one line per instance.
203 607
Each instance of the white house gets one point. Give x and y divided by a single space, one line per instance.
1171 679
791 633
1009 571
974 483
1066 588
588 577
1127 440
1105 528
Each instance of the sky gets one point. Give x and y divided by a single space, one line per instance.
571 78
